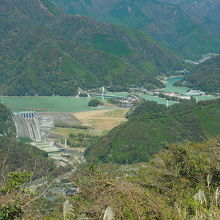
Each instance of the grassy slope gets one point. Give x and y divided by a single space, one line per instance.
57 54
205 76
147 133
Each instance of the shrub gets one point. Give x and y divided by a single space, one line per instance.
95 103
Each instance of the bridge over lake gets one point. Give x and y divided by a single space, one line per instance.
105 95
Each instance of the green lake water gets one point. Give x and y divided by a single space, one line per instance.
182 89
48 103
71 104
171 88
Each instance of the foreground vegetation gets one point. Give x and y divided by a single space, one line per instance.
180 183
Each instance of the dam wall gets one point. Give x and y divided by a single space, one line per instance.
27 126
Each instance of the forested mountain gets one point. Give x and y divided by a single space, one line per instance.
145 133
45 52
205 76
188 27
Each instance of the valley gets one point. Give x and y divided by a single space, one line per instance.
109 110
58 117
80 104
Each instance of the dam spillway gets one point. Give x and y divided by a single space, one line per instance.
27 125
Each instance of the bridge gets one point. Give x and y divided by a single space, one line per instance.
104 95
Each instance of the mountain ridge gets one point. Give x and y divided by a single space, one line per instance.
189 28
205 76
44 54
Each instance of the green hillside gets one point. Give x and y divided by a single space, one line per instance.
44 52
146 133
190 28
7 127
205 76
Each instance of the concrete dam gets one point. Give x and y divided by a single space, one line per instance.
27 125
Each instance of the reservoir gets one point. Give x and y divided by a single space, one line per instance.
73 104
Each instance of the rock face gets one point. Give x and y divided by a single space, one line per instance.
109 214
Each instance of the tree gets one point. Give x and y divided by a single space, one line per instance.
12 195
95 103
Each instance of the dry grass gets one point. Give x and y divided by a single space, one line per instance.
102 119
64 132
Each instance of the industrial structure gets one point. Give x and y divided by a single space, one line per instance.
195 93
27 125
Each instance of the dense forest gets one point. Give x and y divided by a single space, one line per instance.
151 127
45 52
205 76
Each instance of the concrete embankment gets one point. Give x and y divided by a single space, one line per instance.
27 127
38 126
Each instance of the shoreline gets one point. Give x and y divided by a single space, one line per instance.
164 80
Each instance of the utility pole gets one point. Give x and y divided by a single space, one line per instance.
103 90
167 104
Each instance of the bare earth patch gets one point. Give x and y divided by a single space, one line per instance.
102 119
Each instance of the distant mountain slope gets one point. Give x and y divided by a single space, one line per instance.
190 27
145 133
205 76
45 52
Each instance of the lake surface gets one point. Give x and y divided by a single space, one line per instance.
48 103
171 88
71 104
182 89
